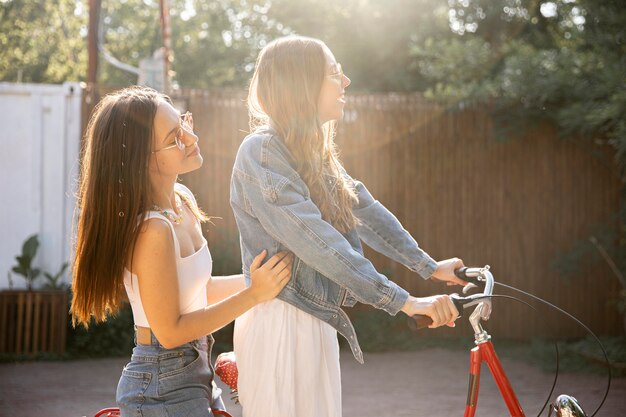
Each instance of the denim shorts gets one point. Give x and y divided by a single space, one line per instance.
160 382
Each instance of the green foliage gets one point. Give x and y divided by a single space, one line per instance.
114 337
433 59
560 62
604 246
377 331
226 254
42 42
24 265
214 44
582 355
223 339
129 31
53 281
370 38
583 254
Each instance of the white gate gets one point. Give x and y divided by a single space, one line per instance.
39 150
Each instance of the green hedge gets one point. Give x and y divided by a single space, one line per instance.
115 337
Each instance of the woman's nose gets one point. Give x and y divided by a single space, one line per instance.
190 138
346 81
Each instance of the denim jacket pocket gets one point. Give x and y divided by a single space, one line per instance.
314 286
348 299
307 281
274 183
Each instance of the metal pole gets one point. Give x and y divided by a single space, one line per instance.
92 48
166 31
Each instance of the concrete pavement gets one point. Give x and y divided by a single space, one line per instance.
422 383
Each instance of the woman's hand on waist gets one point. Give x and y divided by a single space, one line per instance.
271 277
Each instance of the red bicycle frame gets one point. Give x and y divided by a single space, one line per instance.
485 352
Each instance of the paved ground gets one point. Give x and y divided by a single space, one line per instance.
425 383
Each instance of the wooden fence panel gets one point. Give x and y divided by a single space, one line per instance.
221 120
514 205
33 322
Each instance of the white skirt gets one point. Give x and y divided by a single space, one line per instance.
288 363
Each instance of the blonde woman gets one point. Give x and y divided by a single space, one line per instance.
290 192
139 238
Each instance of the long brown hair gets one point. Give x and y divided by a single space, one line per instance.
284 91
113 197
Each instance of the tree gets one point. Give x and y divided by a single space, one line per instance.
42 42
215 43
561 61
557 61
370 38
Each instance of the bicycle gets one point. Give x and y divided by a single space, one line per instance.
484 351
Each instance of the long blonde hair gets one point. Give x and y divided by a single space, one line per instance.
113 195
284 92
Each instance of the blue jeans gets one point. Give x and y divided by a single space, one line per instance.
160 382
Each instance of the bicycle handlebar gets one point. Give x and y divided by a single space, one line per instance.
473 276
468 274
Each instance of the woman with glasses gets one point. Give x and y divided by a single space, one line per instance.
289 191
139 239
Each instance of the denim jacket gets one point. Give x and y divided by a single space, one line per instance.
274 211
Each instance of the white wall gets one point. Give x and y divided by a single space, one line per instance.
39 148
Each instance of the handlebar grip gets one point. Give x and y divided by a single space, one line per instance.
462 273
419 321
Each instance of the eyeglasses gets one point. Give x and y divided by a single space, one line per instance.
186 124
337 75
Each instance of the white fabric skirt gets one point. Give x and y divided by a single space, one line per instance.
288 363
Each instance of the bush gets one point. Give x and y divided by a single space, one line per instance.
114 337
377 331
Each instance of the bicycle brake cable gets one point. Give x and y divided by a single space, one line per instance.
606 356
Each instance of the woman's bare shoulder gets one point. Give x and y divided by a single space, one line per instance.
154 245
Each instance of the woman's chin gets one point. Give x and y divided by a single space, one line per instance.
197 163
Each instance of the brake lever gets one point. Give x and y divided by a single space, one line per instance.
468 287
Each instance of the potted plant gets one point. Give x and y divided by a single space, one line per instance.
33 320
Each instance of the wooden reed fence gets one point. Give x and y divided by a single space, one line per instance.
33 322
514 205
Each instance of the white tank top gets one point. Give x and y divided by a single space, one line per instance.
194 272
